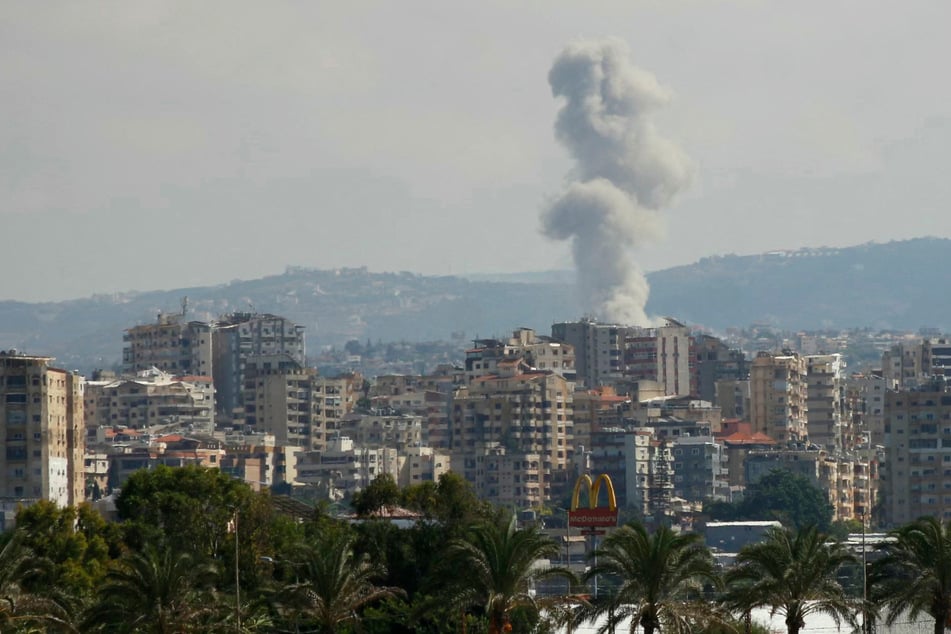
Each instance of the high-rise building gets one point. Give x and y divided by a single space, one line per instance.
778 396
717 362
599 349
665 354
517 415
171 344
825 400
41 415
238 338
916 475
295 404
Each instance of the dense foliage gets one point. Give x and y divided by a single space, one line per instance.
779 495
195 551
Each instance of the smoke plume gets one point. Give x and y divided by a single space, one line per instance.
625 172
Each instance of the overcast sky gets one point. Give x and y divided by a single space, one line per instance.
159 145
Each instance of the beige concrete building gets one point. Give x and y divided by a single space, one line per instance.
847 481
171 344
41 416
152 399
515 480
544 353
733 398
376 429
665 354
778 397
296 405
422 464
594 410
523 413
261 463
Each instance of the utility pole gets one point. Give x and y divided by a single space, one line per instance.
237 576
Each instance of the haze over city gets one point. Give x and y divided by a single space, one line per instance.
165 145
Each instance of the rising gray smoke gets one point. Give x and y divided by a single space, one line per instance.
625 172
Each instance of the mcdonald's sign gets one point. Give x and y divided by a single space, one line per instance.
593 516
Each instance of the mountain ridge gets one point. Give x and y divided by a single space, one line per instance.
894 285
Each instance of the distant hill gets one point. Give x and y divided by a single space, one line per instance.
900 285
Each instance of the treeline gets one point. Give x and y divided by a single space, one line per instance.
197 551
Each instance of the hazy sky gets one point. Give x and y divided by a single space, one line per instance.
157 145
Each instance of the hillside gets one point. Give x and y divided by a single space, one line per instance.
898 285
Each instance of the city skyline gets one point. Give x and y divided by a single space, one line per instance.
171 145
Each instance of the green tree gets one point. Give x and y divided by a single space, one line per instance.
495 569
779 495
914 574
660 579
157 590
78 543
192 506
794 573
332 584
381 492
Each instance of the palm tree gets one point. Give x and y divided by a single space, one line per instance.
18 606
156 590
914 574
495 567
793 573
659 577
332 583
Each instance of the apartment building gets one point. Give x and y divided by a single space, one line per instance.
171 344
526 414
152 398
343 468
422 464
733 398
594 410
826 417
237 338
700 469
715 362
778 396
261 463
295 404
649 485
383 429
916 474
865 394
599 349
665 354
41 415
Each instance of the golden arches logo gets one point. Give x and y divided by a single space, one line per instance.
593 516
594 489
